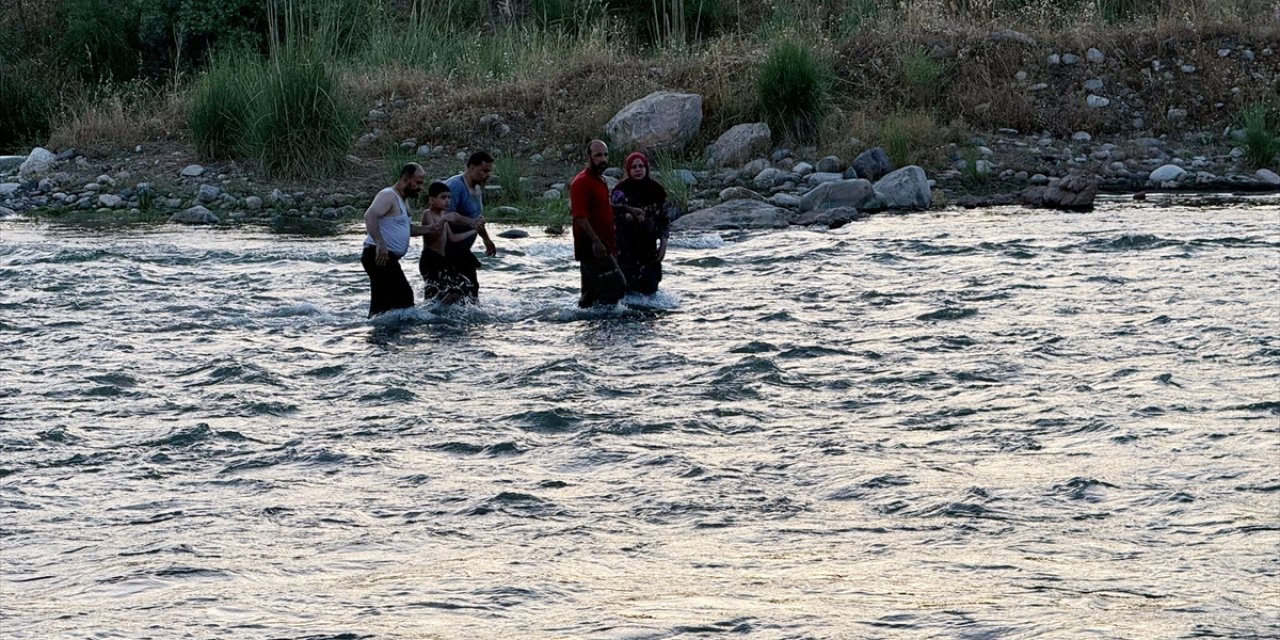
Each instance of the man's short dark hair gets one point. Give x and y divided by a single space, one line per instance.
478 158
410 170
436 188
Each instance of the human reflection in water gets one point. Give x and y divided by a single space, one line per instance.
642 224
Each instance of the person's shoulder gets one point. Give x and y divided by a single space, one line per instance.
454 182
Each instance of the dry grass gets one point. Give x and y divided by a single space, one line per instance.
104 122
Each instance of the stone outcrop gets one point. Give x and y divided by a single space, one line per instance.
194 215
660 121
735 214
1075 192
39 162
740 144
872 164
905 188
858 194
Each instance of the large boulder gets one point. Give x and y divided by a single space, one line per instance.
740 144
872 164
858 194
1268 177
1166 173
38 162
739 193
906 188
194 215
735 214
9 163
1075 192
659 121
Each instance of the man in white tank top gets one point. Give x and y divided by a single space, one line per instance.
389 229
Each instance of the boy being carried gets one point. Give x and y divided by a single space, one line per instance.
446 281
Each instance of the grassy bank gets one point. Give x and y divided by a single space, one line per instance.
251 80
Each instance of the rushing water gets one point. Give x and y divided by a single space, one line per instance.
986 424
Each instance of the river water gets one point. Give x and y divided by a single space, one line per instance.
972 425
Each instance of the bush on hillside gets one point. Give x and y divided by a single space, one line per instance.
222 106
24 110
302 123
793 90
98 39
1261 136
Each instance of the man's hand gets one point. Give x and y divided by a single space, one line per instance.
597 247
489 248
381 258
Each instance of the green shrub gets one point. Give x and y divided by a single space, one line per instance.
921 75
302 124
222 106
98 39
793 90
1261 136
507 173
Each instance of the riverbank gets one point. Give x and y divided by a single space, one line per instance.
985 111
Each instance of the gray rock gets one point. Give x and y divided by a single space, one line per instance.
92 187
6 212
46 185
613 172
38 162
815 179
1268 177
106 180
377 114
661 120
1054 59
1095 56
1094 85
784 200
424 151
857 194
739 144
767 178
1009 35
1166 173
735 214
832 218
194 215
684 175
1176 115
830 164
1070 58
802 169
208 193
1187 68
1081 136
1075 192
739 193
1097 102
9 188
192 171
754 167
1021 77
253 203
110 201
1039 86
514 234
873 164
551 194
906 188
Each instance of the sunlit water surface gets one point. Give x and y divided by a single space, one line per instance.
999 424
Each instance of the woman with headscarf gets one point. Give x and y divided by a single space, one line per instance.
640 217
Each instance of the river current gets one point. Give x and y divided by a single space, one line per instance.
969 425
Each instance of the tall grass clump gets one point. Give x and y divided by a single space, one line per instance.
1261 136
508 174
922 76
909 137
793 88
302 124
222 106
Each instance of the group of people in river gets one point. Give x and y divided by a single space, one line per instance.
619 233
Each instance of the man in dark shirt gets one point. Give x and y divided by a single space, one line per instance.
594 246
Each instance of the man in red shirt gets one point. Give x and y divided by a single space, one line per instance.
594 244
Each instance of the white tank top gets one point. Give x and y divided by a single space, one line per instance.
394 229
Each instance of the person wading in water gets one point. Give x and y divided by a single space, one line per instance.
594 245
389 228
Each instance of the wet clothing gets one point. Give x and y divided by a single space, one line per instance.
394 228
470 203
638 239
388 287
601 281
446 275
589 200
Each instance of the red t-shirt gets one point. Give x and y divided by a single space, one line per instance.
589 198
